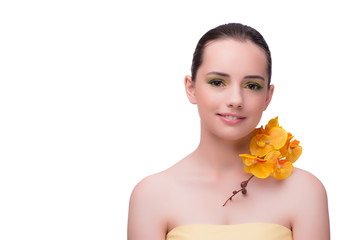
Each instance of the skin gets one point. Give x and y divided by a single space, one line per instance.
232 79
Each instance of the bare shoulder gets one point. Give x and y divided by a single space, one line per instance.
155 186
149 185
151 192
146 192
303 182
306 179
149 207
305 190
310 217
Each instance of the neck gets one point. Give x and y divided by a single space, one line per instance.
221 155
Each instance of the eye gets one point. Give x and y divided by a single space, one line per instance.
254 86
217 83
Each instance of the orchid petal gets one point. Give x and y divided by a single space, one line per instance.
271 124
283 170
278 137
294 154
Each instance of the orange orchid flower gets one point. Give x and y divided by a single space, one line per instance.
261 168
272 152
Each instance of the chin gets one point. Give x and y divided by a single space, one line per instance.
232 136
229 133
240 138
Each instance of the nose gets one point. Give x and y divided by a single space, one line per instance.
235 98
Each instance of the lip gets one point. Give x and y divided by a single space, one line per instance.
230 118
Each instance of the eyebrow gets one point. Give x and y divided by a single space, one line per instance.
254 76
218 73
227 75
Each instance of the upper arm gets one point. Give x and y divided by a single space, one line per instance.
311 218
146 220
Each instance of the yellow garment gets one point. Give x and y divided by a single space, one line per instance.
247 231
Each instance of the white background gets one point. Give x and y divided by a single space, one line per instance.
92 101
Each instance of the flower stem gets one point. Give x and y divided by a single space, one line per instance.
242 190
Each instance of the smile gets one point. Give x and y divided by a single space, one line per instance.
231 118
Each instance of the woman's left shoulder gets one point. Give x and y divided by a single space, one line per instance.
304 180
305 189
308 206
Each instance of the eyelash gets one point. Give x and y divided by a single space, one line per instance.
254 86
217 83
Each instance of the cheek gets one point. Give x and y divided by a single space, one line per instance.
257 103
206 99
208 105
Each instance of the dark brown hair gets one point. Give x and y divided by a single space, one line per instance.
231 30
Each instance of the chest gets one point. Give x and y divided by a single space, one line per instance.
203 203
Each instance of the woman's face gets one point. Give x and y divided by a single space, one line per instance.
230 88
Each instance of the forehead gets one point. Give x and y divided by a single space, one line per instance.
234 57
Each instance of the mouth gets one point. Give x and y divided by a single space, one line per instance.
229 116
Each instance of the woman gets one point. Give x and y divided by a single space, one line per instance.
230 84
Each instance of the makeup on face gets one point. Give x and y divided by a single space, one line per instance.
221 80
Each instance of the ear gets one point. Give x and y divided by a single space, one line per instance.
269 96
190 89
